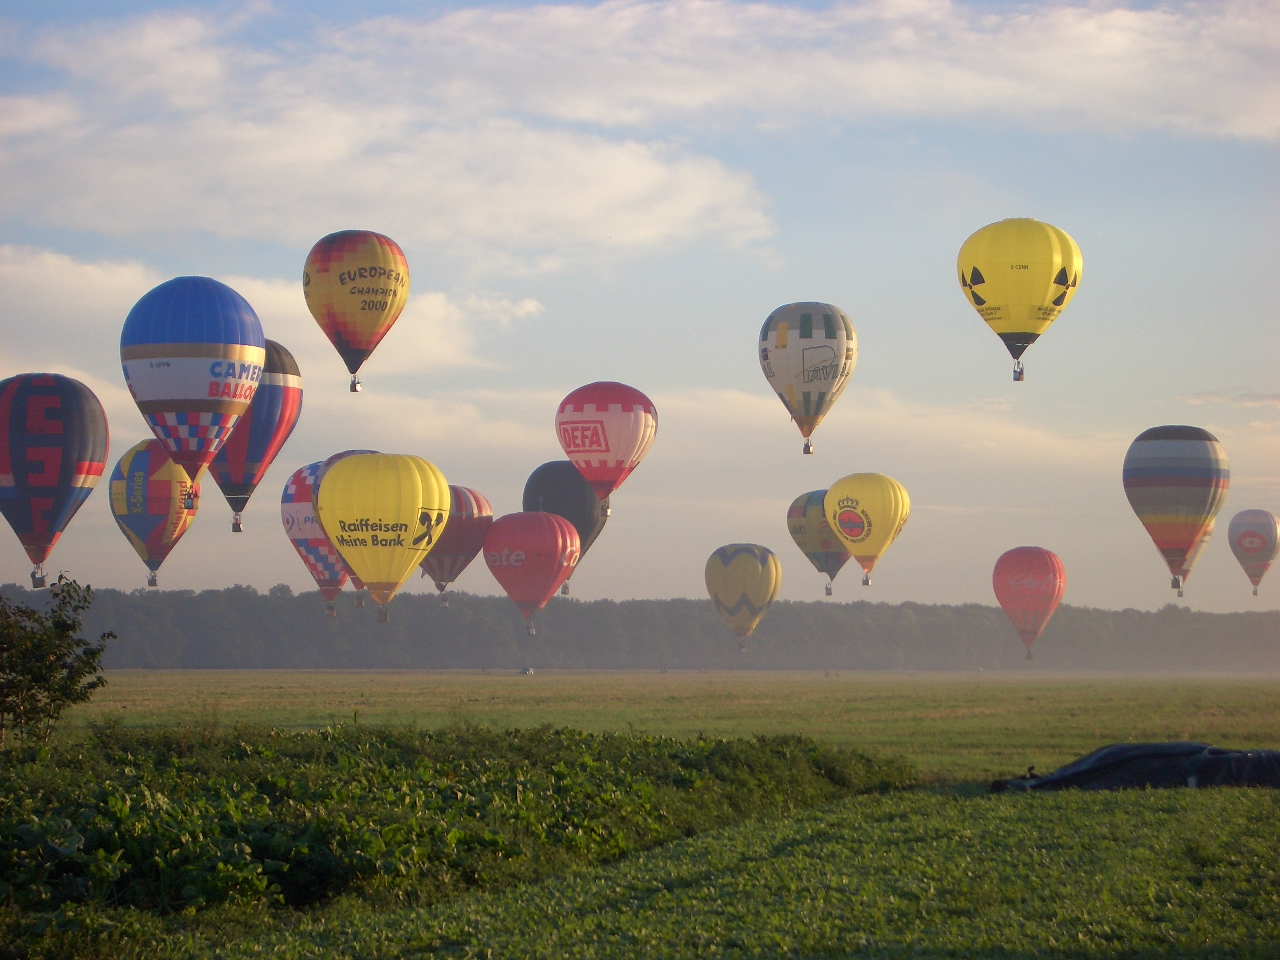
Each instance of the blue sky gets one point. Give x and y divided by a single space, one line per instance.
625 191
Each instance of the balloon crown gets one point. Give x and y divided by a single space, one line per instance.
847 502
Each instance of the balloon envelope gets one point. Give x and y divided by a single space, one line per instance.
1254 541
807 523
356 283
315 500
807 352
192 351
383 513
531 554
1029 583
148 493
743 579
557 487
606 428
867 511
298 514
1176 479
242 462
470 517
53 448
1019 274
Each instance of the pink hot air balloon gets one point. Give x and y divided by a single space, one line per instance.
606 428
1029 583
531 554
470 518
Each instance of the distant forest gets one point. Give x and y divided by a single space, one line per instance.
240 628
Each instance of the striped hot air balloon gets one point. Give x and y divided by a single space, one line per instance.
807 523
1176 479
53 447
244 459
743 579
298 514
470 517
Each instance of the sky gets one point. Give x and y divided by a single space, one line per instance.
624 191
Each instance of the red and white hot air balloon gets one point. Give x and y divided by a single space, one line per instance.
1255 540
1029 583
606 428
470 518
531 554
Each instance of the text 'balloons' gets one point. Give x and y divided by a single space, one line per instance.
192 350
807 352
1019 274
1176 478
242 462
743 579
53 449
149 497
356 283
1029 583
531 554
383 513
867 511
606 428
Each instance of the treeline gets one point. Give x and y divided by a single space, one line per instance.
240 628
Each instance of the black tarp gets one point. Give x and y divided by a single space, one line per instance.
1124 766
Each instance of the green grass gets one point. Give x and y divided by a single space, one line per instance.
968 728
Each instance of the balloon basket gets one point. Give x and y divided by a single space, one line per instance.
444 601
1028 654
828 589
330 611
360 598
1179 593
808 445
189 503
866 579
532 631
356 385
153 581
236 526
38 578
384 615
564 590
1255 591
1019 374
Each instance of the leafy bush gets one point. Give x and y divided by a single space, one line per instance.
177 819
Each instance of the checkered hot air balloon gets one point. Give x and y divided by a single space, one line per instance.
192 351
355 282
149 497
1176 479
297 513
53 448
606 428
244 459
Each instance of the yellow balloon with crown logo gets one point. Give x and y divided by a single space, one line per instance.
383 512
867 511
742 580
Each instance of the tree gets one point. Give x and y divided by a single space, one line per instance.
44 666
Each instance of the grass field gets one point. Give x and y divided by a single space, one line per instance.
955 729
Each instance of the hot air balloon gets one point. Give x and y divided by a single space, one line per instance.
807 352
807 523
867 511
356 583
53 447
242 462
742 580
355 282
470 517
1029 583
1254 541
1019 274
192 351
530 555
606 428
557 487
149 497
383 512
298 514
1176 478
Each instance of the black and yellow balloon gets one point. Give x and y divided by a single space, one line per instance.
1019 274
742 580
383 512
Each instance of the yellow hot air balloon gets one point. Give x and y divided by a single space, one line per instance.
742 580
867 511
1019 274
383 512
